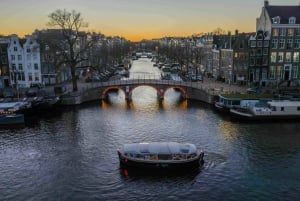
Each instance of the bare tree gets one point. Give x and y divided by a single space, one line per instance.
73 47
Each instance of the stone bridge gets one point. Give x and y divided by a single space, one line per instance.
99 90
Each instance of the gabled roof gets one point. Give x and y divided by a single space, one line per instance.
284 12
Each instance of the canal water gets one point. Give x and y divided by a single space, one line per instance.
71 155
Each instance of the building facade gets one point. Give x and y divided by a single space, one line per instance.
24 61
281 26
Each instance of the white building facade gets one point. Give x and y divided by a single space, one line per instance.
24 61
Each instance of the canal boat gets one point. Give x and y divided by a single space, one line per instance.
11 119
227 101
12 112
275 109
160 155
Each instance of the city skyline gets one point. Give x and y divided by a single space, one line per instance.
137 19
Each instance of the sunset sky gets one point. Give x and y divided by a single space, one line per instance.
137 19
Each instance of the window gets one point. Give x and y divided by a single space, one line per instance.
257 74
275 32
252 52
19 57
273 57
272 72
13 66
253 43
259 43
280 57
29 66
264 74
13 57
274 43
276 20
282 108
298 108
36 77
28 50
296 57
289 44
281 43
4 59
15 49
297 31
20 67
258 52
30 76
36 66
252 61
292 20
288 57
278 71
265 60
297 44
265 51
294 72
290 32
266 43
282 31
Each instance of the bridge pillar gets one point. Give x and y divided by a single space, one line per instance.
160 94
127 94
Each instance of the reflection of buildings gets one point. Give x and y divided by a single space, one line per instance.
274 55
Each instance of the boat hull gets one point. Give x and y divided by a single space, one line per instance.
160 164
11 119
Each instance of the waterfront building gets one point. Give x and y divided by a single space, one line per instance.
240 58
24 61
4 72
275 48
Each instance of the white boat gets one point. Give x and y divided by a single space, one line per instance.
276 109
160 155
227 101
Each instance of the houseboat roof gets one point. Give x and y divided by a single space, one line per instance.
160 148
284 103
246 96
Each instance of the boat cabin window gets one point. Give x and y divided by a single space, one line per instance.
184 151
179 156
298 108
282 108
273 108
164 157
236 102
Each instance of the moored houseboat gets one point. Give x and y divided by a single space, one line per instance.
12 112
160 155
227 101
276 109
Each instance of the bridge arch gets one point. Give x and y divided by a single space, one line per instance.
133 87
182 90
108 89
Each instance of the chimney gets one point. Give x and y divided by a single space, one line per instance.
266 3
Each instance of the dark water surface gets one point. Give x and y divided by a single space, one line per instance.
72 155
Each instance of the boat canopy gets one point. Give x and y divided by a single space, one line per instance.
160 148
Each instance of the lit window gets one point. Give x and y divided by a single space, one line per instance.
292 20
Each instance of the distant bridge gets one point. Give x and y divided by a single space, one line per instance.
99 90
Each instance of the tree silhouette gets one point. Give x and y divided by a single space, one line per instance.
74 45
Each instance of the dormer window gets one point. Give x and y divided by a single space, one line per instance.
292 20
276 20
